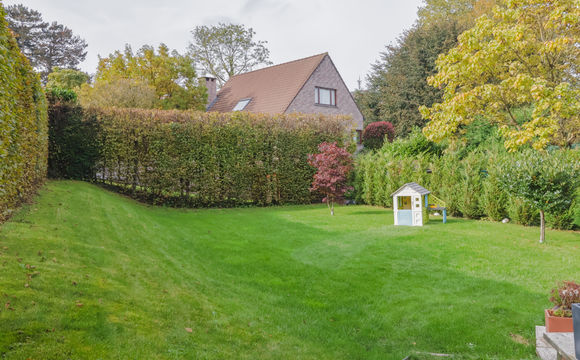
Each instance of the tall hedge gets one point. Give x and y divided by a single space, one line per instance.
469 183
23 125
73 146
196 159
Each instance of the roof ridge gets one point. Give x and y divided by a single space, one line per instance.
324 55
284 63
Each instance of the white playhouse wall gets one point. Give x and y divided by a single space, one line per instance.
416 206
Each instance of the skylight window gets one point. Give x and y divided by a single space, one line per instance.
241 105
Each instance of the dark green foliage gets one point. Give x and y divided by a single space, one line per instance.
547 181
416 144
472 185
23 125
57 94
47 45
73 143
480 134
522 212
564 220
397 83
194 159
494 200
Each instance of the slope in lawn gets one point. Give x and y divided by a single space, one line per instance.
87 274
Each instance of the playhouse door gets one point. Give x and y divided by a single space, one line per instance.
405 217
417 221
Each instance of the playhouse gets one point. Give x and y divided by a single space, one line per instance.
411 205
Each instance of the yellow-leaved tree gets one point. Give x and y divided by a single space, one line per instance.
518 69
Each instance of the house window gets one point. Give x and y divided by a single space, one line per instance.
241 105
324 96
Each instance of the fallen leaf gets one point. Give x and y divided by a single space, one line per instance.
189 330
79 304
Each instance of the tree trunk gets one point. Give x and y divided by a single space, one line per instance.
542 227
332 209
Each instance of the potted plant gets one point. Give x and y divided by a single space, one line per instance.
559 318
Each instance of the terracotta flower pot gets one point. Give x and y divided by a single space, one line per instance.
558 323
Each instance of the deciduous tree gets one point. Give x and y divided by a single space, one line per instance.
171 76
122 93
462 12
397 83
67 78
547 181
524 56
333 165
225 50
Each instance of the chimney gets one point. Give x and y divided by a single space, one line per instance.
210 84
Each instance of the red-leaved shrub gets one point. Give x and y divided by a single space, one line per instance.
375 133
333 164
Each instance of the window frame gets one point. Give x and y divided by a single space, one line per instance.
242 109
332 96
359 136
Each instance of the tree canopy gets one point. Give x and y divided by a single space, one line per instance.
170 76
397 84
523 57
46 45
333 164
67 78
226 50
121 93
546 181
461 12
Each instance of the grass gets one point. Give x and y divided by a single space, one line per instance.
88 274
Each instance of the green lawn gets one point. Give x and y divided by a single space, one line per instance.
88 274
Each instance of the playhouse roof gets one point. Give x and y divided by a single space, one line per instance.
413 186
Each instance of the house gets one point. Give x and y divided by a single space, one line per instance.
410 205
310 85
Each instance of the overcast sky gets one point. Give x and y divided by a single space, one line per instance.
352 32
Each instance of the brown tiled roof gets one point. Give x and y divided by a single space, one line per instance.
271 89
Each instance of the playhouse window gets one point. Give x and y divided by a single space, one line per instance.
404 203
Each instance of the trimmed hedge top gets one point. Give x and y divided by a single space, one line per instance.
198 159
